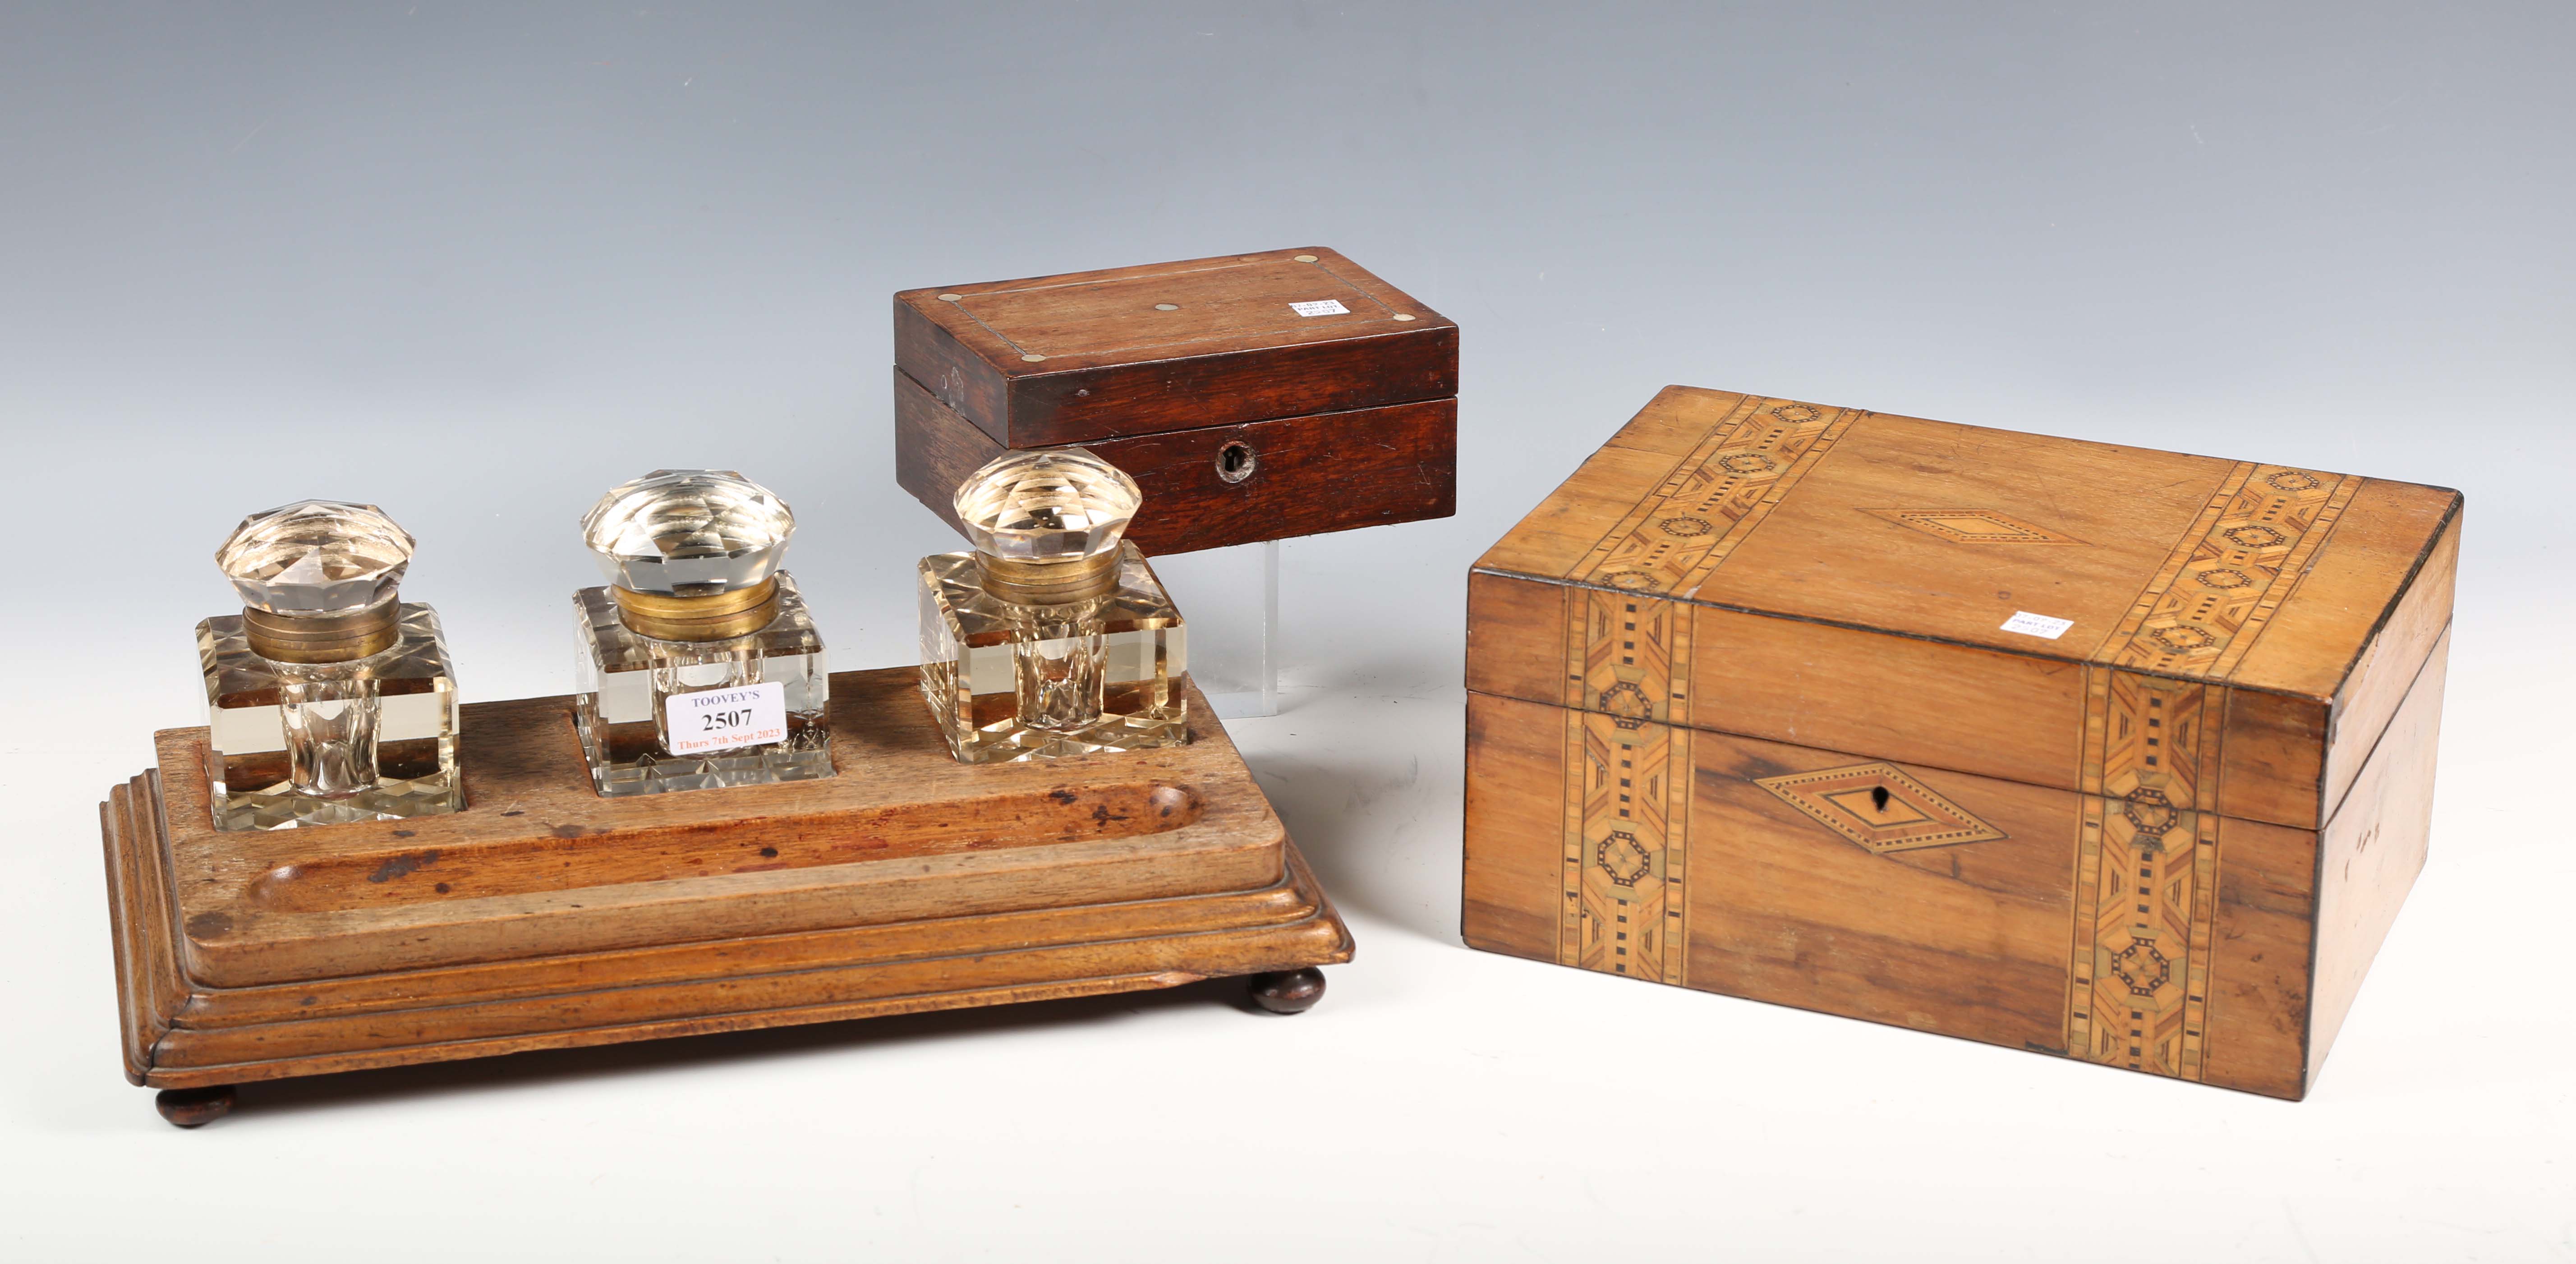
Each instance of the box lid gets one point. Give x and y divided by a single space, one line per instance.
2002 604
1086 356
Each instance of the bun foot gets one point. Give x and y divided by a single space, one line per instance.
197 1107
1288 991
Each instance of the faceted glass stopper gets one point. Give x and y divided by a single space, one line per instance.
315 557
689 533
1055 505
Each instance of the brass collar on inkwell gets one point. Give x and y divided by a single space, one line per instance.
317 580
1046 525
691 555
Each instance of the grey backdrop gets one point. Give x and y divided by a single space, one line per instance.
475 264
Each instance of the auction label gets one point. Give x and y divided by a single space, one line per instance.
1320 307
720 719
2045 627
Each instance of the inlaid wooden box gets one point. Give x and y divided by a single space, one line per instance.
2105 752
1252 397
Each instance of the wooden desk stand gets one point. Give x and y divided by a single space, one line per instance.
544 916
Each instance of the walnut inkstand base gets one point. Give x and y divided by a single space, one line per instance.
544 916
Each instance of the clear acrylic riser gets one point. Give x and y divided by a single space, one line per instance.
1230 597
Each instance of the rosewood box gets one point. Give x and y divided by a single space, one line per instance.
1252 397
2106 752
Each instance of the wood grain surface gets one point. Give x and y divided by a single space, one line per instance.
2369 856
1965 940
1086 356
1746 715
540 863
1306 475
544 916
1834 626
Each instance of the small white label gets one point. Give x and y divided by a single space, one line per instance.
1320 307
720 719
2042 626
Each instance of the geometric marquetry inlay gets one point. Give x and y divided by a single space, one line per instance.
2205 606
1973 526
1879 807
1624 863
2146 849
2147 855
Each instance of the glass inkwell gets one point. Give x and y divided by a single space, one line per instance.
1052 638
699 666
328 699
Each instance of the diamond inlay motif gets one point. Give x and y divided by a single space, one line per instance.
1973 526
1880 808
2146 874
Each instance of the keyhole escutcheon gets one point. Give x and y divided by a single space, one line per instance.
1236 461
